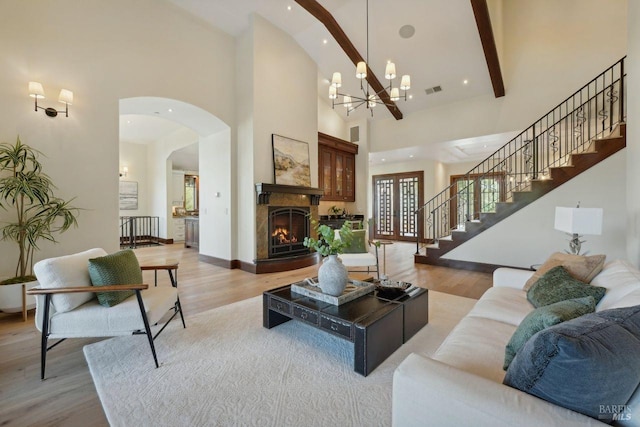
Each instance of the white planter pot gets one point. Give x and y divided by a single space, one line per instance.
332 276
11 297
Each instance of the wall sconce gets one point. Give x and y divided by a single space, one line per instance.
66 97
124 171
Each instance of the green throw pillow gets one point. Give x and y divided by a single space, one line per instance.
358 243
558 285
543 317
120 268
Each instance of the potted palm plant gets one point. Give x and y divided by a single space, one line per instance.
332 274
35 214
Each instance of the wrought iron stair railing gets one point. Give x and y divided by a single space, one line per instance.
591 112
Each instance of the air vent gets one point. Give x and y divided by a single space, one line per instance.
433 90
355 134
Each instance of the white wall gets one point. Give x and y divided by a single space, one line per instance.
281 99
428 167
527 237
550 49
633 134
216 196
134 157
104 51
330 122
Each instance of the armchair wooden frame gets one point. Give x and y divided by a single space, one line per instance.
49 292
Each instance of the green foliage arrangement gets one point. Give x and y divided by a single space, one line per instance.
39 214
327 243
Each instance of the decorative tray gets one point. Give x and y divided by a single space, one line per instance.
354 289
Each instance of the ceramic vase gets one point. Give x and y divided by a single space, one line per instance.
332 276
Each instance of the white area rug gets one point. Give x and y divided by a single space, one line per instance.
225 369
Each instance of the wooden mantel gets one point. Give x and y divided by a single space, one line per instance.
264 190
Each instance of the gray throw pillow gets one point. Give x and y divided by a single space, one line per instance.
558 285
544 317
589 364
120 268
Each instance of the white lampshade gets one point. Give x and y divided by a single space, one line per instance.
336 80
347 101
390 71
333 92
372 101
36 90
405 83
66 97
361 70
579 220
395 94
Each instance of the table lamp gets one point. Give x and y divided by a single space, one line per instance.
577 222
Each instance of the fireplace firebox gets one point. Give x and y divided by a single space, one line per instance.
288 226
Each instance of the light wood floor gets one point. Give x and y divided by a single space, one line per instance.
68 397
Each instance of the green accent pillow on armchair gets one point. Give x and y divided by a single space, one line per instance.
120 268
358 243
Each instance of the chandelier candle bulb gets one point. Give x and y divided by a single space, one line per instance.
347 101
361 70
372 101
390 71
336 80
333 92
395 94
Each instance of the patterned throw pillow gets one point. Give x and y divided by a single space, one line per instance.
544 317
558 285
589 364
120 268
583 268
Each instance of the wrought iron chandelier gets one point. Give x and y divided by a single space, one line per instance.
370 98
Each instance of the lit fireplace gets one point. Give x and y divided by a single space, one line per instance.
288 226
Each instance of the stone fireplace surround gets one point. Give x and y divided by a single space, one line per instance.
281 196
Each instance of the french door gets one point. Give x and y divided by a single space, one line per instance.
396 198
475 196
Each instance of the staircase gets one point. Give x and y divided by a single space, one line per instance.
580 132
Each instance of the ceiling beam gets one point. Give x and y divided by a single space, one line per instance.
325 17
483 21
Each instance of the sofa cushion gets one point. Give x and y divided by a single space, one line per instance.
120 268
620 279
508 305
476 345
558 285
583 268
584 363
64 272
544 317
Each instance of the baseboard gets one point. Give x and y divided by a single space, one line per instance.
219 262
466 265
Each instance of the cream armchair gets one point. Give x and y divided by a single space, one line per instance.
67 307
358 254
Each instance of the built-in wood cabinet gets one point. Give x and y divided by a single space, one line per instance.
337 168
192 233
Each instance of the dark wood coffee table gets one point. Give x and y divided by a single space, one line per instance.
375 325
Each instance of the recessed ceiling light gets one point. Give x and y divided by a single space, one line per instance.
384 160
407 31
129 122
485 146
465 82
325 41
410 96
289 7
411 156
171 110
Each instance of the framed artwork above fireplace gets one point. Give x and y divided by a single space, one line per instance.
291 165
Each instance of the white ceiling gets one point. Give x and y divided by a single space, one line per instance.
445 51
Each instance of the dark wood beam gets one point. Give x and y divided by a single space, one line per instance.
483 21
325 17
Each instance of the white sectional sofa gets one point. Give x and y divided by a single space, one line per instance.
461 384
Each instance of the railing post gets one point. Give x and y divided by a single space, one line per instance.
435 225
417 232
621 108
534 159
